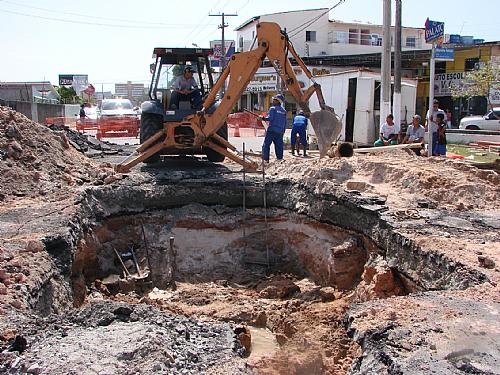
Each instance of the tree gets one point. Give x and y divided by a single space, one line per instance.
479 82
68 95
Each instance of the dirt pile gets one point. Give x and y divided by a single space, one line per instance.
36 161
404 180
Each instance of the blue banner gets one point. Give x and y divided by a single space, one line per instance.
444 54
433 30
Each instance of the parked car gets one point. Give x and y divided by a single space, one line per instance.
117 118
490 121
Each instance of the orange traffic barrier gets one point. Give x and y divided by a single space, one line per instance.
243 124
86 124
117 127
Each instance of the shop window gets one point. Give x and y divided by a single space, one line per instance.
310 36
440 67
470 64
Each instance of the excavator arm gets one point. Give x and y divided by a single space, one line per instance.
274 45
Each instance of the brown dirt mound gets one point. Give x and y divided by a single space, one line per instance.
400 177
36 161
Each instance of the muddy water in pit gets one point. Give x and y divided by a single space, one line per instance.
263 342
294 307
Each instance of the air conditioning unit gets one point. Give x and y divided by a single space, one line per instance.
322 53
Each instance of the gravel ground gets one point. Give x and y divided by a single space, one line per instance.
107 337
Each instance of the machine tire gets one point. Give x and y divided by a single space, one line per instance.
212 155
150 124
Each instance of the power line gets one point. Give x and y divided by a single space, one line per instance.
85 15
171 26
308 23
198 29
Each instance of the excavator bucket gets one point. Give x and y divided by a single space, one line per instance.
327 127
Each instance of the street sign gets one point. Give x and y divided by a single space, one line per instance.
90 90
216 46
444 54
433 30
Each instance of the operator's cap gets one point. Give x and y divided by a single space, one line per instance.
301 112
279 97
188 69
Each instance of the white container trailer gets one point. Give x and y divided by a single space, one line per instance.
355 96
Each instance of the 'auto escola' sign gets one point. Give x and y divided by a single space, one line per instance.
433 30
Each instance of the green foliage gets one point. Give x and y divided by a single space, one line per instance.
68 95
479 82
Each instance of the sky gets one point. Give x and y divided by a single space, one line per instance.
112 40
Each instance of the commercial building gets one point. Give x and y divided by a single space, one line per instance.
36 100
327 46
133 91
452 73
325 37
33 92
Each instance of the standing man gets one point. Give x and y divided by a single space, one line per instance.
276 128
299 128
185 88
431 125
388 133
82 111
415 133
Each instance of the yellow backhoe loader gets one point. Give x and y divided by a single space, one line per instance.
188 130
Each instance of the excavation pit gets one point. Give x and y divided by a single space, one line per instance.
274 271
222 243
283 279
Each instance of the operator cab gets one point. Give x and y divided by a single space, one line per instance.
171 63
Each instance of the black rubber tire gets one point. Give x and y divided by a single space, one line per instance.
472 127
150 124
212 155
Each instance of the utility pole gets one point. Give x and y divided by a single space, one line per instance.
431 98
222 26
397 67
385 89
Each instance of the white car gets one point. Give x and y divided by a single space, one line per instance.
490 121
117 107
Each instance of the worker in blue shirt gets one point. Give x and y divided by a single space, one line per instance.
277 125
299 127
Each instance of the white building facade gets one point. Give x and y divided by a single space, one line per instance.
325 37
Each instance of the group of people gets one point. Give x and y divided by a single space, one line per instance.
277 118
435 122
185 88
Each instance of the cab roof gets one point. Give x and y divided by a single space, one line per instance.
179 55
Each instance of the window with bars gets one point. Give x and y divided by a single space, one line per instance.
366 38
353 36
411 41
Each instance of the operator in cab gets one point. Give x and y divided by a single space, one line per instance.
276 129
185 88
